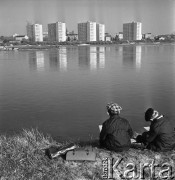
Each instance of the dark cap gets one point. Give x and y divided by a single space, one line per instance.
148 114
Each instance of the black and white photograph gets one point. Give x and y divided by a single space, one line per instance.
87 89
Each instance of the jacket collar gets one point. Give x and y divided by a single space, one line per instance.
115 116
159 117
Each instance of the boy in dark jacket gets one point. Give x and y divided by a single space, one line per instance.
116 131
161 136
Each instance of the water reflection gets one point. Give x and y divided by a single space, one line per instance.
58 59
36 60
53 60
120 50
62 58
132 56
91 57
101 57
138 56
83 54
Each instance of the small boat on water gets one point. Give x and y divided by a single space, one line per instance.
156 43
132 43
83 44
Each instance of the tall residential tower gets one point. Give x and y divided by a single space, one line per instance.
100 32
57 32
132 31
35 32
91 31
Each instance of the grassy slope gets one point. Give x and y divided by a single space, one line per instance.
23 157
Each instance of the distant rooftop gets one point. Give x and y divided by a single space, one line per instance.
20 36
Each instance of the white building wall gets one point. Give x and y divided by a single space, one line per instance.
20 38
139 31
100 32
60 32
91 31
38 32
120 36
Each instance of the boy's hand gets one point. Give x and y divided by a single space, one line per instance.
135 135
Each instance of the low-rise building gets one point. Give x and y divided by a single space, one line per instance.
21 37
162 38
108 37
14 35
119 36
71 36
147 36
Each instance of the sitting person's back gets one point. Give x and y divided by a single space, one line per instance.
116 131
161 136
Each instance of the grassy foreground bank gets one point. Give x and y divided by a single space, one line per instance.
23 156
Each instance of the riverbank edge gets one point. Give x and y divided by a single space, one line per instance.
47 47
22 156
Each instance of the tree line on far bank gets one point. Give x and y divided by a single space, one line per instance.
10 40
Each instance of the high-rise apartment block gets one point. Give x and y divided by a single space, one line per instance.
82 31
38 32
100 32
91 31
52 32
57 32
132 31
29 29
35 32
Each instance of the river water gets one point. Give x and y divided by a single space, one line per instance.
63 92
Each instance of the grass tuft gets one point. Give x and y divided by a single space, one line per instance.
22 156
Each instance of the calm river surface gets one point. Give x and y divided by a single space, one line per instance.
64 92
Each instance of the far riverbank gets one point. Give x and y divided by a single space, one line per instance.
43 46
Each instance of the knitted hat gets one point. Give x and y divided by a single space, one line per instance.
113 108
151 114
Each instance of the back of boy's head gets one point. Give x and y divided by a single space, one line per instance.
148 114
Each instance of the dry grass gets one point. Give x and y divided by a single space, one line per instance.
23 157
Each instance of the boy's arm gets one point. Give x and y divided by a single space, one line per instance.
130 131
151 134
102 134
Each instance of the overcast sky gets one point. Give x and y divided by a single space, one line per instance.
157 16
